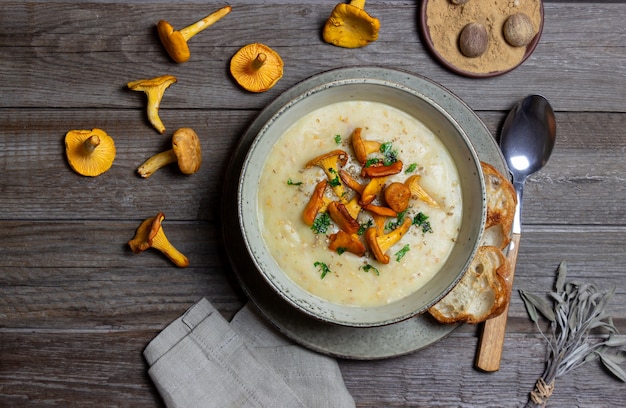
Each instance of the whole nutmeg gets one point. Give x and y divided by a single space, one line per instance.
518 30
473 40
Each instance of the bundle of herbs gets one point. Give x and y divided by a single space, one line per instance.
580 331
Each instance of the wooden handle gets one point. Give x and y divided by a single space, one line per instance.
492 338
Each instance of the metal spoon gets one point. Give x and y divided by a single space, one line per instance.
527 139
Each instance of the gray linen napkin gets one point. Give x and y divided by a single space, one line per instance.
200 360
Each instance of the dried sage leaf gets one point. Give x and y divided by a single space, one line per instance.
613 367
539 304
616 340
561 274
530 308
577 308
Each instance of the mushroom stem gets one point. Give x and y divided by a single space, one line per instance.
154 101
258 62
206 22
161 243
91 143
150 235
358 3
156 162
154 89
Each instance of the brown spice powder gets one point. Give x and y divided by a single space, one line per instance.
446 20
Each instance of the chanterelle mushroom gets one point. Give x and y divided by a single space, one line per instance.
349 26
150 235
331 163
185 150
397 196
89 152
154 89
315 204
379 244
363 148
175 42
418 192
342 217
256 67
348 242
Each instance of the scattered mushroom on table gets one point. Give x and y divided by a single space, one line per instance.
256 67
350 26
89 152
150 235
154 89
175 42
185 151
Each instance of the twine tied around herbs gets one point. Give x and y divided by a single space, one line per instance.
539 396
577 309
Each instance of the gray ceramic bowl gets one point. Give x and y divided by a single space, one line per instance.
419 100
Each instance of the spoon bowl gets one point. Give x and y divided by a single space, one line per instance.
526 141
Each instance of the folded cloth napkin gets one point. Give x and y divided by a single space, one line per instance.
200 360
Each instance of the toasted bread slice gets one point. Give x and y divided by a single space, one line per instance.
482 293
501 202
495 236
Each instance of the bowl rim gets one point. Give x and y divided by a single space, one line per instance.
392 79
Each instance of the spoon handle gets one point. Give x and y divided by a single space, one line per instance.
492 339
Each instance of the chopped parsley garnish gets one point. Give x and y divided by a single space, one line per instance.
371 162
370 268
391 156
321 223
411 168
421 221
290 182
335 181
324 269
363 227
341 250
338 139
399 219
400 254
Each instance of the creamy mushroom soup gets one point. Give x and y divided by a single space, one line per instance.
286 186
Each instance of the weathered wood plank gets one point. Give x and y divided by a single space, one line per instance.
37 182
77 307
583 181
61 369
67 275
75 369
426 379
83 54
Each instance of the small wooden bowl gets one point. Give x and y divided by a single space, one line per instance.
425 32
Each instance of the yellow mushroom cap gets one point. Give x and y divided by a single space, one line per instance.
150 234
256 67
173 42
89 152
349 26
186 146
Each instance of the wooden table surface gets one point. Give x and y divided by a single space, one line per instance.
77 307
